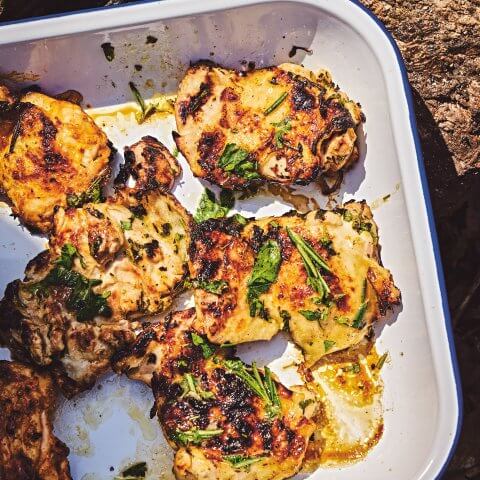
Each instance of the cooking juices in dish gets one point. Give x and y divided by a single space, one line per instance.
115 260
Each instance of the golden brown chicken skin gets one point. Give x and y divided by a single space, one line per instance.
316 274
225 419
107 265
280 124
28 448
51 154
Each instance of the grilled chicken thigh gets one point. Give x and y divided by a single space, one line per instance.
51 154
225 419
28 448
107 264
316 274
280 124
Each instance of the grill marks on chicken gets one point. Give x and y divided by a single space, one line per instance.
107 264
218 424
51 153
281 124
28 448
329 288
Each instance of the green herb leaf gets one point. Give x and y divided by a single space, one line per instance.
240 219
265 389
328 344
208 207
213 286
357 321
343 320
191 388
264 273
311 314
126 224
194 436
276 103
108 51
207 348
305 403
381 361
145 109
82 299
280 129
235 159
92 195
241 461
354 368
313 264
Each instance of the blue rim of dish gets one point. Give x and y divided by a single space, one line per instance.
433 229
423 179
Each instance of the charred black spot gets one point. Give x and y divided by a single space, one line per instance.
151 248
265 429
301 98
196 101
209 146
208 269
95 213
257 238
138 349
138 211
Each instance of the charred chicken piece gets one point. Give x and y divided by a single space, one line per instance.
150 164
51 154
225 419
278 124
318 274
107 265
28 448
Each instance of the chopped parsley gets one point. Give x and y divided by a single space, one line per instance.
280 129
82 299
191 388
303 404
126 224
213 286
311 314
328 345
264 273
207 348
93 194
235 159
208 206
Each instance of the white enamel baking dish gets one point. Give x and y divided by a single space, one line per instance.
109 427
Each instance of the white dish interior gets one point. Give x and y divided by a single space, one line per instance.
420 399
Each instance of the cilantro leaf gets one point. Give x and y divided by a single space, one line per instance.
235 159
264 273
208 206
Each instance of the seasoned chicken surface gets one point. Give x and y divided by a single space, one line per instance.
51 153
282 124
28 448
150 164
225 419
317 274
107 264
